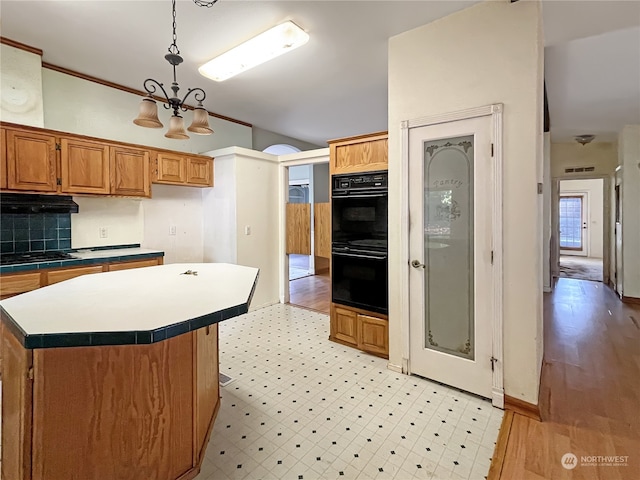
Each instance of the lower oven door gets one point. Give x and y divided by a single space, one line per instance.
360 280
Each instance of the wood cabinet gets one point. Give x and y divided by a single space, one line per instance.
39 160
31 161
176 169
84 167
130 172
207 380
367 331
150 262
59 275
3 158
16 283
363 153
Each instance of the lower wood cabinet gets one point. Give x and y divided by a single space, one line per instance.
367 331
55 276
112 267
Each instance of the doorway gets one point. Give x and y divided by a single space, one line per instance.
307 232
453 234
581 229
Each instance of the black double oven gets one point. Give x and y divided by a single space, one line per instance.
359 205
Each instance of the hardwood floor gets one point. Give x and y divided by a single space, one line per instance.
312 292
589 392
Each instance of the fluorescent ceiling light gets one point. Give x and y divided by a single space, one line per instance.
270 44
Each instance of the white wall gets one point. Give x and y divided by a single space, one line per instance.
629 152
488 53
248 198
180 207
20 87
601 155
264 138
122 217
595 211
321 183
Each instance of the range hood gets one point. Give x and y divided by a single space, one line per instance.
27 203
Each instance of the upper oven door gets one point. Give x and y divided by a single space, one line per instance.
356 217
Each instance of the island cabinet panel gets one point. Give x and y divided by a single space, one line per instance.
133 412
207 389
3 159
16 409
55 276
365 153
130 172
84 166
31 161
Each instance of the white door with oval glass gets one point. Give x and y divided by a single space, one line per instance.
450 235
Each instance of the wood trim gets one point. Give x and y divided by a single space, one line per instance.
500 451
21 46
363 137
632 300
521 407
133 91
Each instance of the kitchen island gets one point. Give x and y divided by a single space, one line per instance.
114 376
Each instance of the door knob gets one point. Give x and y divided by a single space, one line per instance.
417 264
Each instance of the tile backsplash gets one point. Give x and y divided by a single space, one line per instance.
35 232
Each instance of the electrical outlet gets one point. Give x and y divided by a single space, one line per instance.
104 232
172 230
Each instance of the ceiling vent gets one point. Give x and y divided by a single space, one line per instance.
579 169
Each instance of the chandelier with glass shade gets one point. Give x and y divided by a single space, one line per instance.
148 114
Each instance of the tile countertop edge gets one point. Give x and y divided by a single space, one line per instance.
140 337
75 262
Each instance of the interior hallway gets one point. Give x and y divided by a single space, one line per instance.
589 392
312 292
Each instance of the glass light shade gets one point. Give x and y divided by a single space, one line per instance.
200 123
148 115
176 128
274 42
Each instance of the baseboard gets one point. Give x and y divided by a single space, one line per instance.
634 300
521 407
500 451
394 368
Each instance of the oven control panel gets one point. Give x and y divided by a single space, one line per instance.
359 182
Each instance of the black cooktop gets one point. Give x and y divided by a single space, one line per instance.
32 257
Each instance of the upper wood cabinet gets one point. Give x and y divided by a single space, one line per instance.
130 173
364 153
176 169
3 159
84 166
31 161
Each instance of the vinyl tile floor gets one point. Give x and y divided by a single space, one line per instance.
303 408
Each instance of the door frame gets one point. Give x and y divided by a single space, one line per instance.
607 225
309 157
495 111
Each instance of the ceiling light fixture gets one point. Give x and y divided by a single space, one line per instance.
148 114
274 42
584 139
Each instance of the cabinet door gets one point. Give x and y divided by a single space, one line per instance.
344 325
55 276
207 379
373 335
113 267
362 155
31 161
85 166
3 159
171 168
130 172
14 284
200 171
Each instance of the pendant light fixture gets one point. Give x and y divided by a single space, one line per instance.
148 114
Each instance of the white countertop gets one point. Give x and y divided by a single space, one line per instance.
139 299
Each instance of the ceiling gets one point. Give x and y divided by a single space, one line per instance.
336 85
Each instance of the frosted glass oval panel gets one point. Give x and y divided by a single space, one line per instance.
449 241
